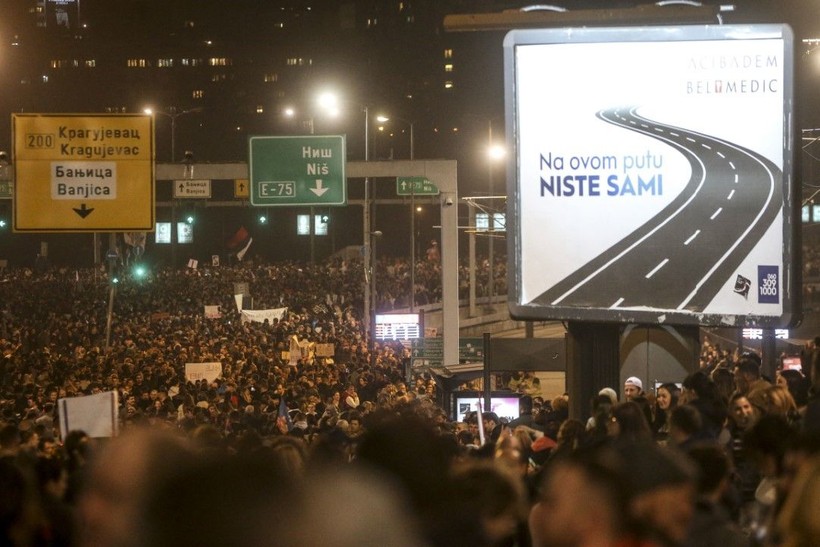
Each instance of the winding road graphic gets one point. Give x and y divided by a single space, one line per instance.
679 259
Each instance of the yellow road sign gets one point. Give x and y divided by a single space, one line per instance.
83 173
241 188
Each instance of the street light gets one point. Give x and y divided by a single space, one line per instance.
376 234
172 113
329 102
290 112
383 119
495 153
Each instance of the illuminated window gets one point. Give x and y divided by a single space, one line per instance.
448 84
271 77
137 63
260 109
448 53
219 77
165 63
219 61
448 67
90 63
198 94
45 78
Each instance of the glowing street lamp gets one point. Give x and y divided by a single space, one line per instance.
172 113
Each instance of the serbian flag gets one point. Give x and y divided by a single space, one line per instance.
239 239
241 253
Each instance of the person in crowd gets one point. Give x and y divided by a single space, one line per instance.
712 525
628 423
665 402
661 489
767 443
633 387
748 380
685 426
561 515
701 392
779 402
797 384
797 524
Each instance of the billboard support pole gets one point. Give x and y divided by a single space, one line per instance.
593 363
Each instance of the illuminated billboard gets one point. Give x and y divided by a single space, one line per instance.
651 175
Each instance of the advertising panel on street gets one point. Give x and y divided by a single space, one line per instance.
651 175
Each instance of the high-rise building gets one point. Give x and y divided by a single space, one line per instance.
232 67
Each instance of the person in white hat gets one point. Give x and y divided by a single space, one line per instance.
633 387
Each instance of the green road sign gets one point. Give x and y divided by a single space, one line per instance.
302 170
430 351
419 186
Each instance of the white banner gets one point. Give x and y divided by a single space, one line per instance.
212 312
96 415
260 316
203 371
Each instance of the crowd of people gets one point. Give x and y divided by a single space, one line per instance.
297 444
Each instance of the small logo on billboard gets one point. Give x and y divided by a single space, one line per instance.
742 285
768 284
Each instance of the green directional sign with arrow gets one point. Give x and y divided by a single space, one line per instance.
419 186
302 170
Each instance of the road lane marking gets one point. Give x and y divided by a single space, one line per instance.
732 165
721 154
656 268
617 303
737 178
692 237
731 194
690 139
716 213
674 134
706 146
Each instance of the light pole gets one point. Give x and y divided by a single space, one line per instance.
495 153
172 113
290 112
375 235
330 103
412 215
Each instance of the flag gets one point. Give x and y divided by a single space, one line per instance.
239 239
283 413
241 254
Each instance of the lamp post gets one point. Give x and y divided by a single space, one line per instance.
290 112
494 153
329 102
412 215
172 113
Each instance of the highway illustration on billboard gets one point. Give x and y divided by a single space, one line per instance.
653 176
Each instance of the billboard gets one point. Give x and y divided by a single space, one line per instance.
651 175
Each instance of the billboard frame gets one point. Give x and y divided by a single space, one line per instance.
523 305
